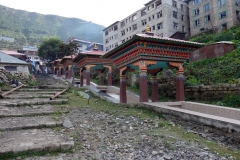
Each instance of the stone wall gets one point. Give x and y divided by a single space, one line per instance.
213 92
7 77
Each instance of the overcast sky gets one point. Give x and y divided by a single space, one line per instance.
104 12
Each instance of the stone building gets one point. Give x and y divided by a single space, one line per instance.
213 15
164 17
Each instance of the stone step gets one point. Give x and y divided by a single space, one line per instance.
30 110
27 102
18 123
39 90
35 140
28 96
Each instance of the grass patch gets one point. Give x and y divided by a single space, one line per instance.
27 154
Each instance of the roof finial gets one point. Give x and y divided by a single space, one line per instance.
95 47
148 30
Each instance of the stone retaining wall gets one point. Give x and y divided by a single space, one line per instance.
213 92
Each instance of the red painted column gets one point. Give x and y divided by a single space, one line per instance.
88 76
109 78
180 87
81 78
101 79
154 89
143 86
123 93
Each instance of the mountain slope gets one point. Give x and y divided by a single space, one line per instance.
29 28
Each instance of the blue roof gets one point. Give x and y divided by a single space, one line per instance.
4 58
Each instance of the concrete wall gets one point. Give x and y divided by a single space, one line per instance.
20 67
115 37
211 51
215 23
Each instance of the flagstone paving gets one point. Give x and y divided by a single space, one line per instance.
28 119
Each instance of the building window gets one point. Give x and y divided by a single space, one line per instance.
207 19
10 68
224 26
182 17
174 14
238 15
143 12
115 28
106 33
116 44
130 28
152 5
237 2
196 12
122 23
152 16
160 25
115 36
221 3
106 41
197 22
134 27
143 31
158 3
153 28
123 32
159 14
123 41
183 29
223 15
175 25
181 7
134 17
196 2
174 3
149 18
144 22
206 7
160 35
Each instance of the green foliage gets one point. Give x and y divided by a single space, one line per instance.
191 81
68 49
49 48
30 28
232 101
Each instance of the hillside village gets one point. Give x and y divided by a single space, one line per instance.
163 84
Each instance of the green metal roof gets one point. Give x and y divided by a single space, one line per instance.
4 58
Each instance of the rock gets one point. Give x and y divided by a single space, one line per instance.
67 124
154 153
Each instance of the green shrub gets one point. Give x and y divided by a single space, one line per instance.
232 101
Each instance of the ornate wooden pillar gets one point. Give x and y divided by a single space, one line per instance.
154 89
70 72
109 75
81 77
143 79
88 67
59 71
102 78
123 93
179 82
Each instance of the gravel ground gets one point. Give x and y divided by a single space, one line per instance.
103 136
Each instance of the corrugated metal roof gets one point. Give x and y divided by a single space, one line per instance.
4 58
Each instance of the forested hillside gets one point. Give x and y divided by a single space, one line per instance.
29 28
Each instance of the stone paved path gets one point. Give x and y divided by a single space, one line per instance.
25 116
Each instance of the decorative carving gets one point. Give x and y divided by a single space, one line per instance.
122 70
109 68
143 64
89 66
178 65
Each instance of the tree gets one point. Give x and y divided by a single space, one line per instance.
68 49
49 49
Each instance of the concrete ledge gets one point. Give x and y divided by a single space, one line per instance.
226 112
211 120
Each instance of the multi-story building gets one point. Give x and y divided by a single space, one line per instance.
164 17
213 15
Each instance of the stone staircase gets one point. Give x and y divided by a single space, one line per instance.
30 121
